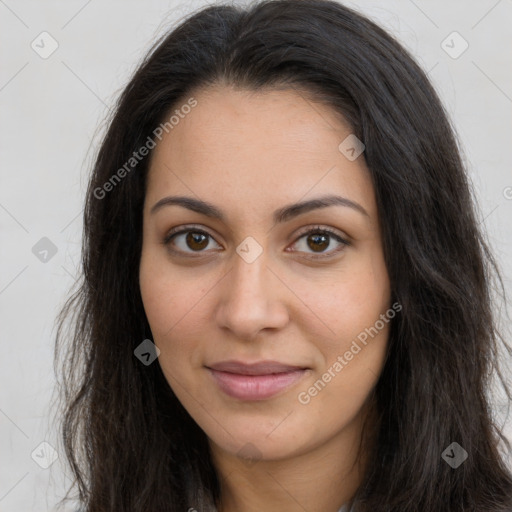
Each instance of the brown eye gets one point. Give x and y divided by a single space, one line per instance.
196 241
321 241
189 241
318 242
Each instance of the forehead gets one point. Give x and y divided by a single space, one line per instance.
256 149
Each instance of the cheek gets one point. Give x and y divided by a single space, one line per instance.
167 296
175 305
346 301
352 359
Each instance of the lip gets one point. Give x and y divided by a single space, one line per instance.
255 381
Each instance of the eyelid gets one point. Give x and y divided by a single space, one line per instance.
185 228
318 227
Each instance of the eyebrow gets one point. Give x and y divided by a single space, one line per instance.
281 215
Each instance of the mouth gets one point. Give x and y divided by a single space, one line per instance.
255 381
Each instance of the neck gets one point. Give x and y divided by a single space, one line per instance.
321 479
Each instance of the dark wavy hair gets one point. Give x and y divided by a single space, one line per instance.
131 445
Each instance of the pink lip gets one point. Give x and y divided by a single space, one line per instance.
256 381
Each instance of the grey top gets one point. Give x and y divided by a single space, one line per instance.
344 508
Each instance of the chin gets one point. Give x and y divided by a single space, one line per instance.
253 442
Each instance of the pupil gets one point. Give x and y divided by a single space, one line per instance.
196 241
318 239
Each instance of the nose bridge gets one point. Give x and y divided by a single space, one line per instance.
249 301
248 277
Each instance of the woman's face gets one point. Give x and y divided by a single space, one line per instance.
238 269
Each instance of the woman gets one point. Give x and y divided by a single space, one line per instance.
285 301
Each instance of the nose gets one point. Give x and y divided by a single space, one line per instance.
251 299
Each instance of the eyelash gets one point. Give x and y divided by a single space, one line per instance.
315 230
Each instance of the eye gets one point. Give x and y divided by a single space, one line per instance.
188 240
318 240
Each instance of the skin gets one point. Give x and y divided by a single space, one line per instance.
249 154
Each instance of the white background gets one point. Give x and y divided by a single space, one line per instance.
51 115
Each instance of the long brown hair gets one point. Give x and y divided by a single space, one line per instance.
131 445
